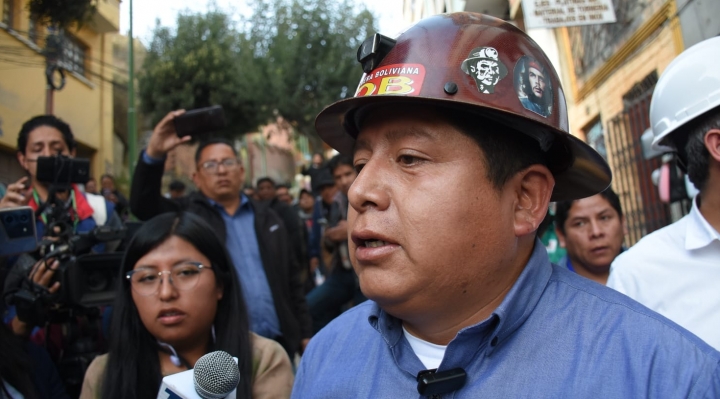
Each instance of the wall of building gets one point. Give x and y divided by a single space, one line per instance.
606 101
611 72
86 100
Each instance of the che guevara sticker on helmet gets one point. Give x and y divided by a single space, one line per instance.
533 86
485 68
397 79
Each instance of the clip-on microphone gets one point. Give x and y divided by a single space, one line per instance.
432 383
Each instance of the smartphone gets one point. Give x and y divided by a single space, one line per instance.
198 121
63 170
17 234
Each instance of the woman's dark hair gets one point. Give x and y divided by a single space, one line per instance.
45 120
133 368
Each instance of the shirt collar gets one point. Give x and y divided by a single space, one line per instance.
699 233
244 202
509 316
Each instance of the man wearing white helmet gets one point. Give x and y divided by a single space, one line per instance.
676 270
452 184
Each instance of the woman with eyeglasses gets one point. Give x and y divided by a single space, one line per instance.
179 299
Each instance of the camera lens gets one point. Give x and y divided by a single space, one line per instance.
23 218
9 219
97 282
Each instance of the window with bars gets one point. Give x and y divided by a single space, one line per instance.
74 54
32 31
592 45
7 13
595 137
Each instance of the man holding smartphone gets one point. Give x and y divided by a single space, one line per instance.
256 237
47 136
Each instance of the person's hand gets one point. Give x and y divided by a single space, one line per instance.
41 274
338 233
164 138
314 263
16 195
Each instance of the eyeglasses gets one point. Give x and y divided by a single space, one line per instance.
147 280
212 166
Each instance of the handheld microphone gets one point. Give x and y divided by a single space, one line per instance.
215 376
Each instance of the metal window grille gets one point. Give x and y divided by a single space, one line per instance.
32 30
592 45
632 174
7 13
73 54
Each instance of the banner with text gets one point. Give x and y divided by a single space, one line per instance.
558 13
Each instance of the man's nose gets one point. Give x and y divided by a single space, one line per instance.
596 229
368 189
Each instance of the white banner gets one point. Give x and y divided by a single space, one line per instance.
557 13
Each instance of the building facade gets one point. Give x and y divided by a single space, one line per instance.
85 100
609 72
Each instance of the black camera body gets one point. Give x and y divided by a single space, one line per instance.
61 170
91 280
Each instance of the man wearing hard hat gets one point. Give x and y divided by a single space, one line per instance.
453 181
676 270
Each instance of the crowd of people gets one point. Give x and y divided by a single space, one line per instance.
411 265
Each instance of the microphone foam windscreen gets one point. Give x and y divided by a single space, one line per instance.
216 375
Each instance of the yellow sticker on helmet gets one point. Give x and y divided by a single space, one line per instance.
396 79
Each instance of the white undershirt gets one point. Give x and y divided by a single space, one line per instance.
429 354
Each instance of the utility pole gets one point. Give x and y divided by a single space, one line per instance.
132 128
53 50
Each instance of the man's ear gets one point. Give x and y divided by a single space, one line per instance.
712 143
625 226
533 188
241 170
195 178
219 291
22 160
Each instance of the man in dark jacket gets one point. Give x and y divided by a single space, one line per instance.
255 236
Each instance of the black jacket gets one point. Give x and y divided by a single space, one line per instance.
281 268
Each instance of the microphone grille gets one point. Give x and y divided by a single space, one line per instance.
216 375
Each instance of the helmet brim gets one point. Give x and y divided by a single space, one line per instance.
587 174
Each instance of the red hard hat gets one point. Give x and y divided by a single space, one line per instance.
479 64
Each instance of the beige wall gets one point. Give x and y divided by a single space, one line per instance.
85 102
606 100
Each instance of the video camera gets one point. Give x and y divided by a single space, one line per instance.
87 280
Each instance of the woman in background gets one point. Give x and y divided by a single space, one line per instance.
179 299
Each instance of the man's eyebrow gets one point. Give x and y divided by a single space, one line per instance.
395 135
578 218
606 210
361 144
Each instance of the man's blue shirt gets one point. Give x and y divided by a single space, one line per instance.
555 335
244 250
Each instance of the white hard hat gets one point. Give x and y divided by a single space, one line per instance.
689 87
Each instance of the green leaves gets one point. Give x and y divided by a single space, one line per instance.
61 13
293 57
